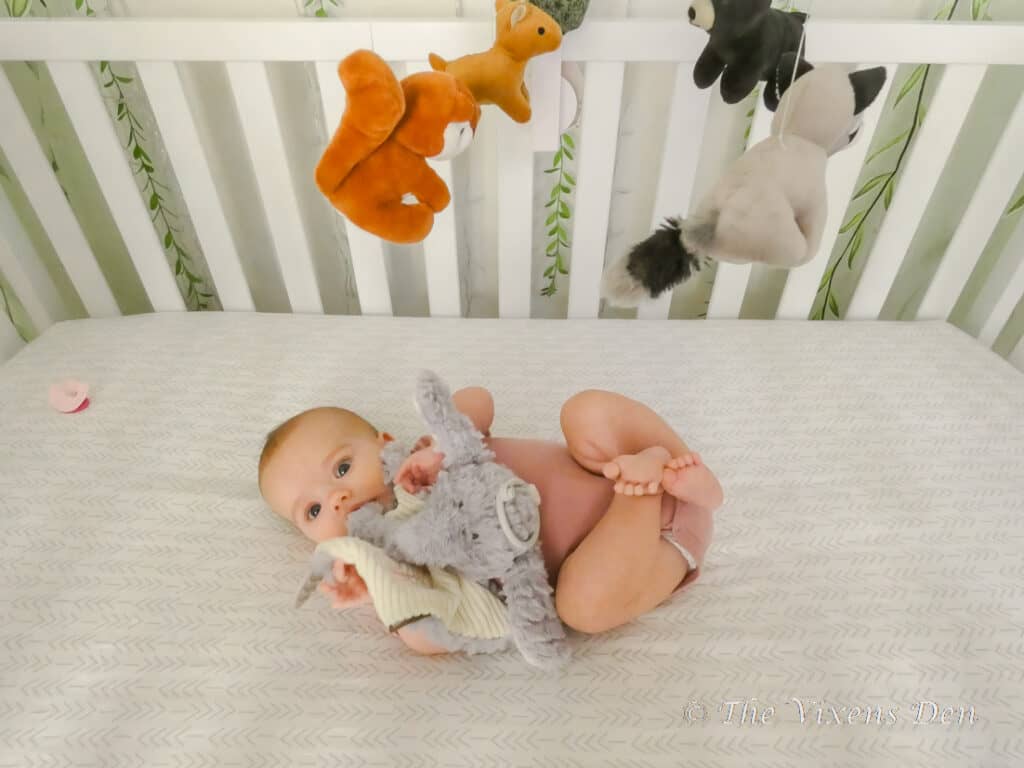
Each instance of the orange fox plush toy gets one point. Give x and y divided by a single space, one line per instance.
496 76
375 171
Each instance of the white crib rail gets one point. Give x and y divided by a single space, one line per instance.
606 47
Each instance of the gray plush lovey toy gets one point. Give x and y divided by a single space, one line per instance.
479 519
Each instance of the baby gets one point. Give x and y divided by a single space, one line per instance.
626 508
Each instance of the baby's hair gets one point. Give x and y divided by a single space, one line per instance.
280 433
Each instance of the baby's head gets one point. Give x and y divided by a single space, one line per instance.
319 466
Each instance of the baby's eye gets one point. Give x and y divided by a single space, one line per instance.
343 469
313 512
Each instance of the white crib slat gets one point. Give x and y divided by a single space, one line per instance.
37 180
544 81
684 137
1016 357
20 261
515 216
84 104
178 130
925 163
440 248
1011 294
979 222
602 102
729 288
366 251
843 171
731 279
10 341
20 281
251 90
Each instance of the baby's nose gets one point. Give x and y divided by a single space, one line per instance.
340 497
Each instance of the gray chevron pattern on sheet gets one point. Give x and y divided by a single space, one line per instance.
868 559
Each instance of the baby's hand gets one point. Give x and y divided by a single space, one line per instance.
348 588
420 470
424 442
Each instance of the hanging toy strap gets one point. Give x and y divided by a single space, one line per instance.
796 68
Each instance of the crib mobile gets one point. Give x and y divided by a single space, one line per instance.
769 207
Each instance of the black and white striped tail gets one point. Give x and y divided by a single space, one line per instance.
652 267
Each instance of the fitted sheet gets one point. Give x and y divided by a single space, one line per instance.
868 555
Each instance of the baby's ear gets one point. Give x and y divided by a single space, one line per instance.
384 437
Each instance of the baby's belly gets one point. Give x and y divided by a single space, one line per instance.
572 499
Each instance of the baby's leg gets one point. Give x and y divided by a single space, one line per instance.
624 567
608 434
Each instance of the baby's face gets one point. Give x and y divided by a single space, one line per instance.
322 472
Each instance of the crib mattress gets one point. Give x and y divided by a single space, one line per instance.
862 602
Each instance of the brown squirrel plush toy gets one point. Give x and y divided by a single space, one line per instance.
496 76
375 171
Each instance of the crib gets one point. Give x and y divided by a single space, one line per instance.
862 601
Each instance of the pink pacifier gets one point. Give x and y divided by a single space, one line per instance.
69 396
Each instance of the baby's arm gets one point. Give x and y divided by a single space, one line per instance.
348 589
474 402
478 405
415 639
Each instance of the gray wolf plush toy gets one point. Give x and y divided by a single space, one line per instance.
478 519
748 38
771 205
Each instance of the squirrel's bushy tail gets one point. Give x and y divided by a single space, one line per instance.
661 262
375 103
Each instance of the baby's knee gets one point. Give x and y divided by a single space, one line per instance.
577 614
586 420
586 410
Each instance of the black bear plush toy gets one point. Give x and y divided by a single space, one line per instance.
748 38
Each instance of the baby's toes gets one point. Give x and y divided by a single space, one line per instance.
612 470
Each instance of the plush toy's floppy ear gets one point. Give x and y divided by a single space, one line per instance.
780 80
867 84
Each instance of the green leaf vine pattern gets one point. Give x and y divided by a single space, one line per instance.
880 188
560 213
321 10
197 294
18 8
1016 206
9 312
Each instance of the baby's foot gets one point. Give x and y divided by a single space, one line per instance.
686 478
638 474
